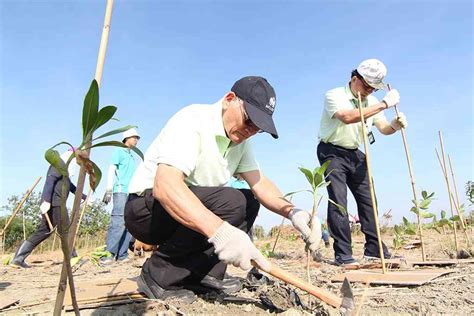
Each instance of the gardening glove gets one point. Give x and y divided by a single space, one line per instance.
107 197
399 122
392 98
44 207
234 246
311 236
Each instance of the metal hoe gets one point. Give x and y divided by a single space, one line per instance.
346 303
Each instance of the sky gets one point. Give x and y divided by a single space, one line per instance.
164 55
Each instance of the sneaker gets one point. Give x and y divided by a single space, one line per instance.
349 264
157 292
106 261
124 260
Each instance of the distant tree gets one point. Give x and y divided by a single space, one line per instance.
30 210
259 232
96 219
470 191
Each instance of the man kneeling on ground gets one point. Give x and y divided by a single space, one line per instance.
178 200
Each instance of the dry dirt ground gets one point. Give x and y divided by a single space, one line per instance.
451 294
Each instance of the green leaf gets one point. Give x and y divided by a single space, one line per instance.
138 152
428 215
308 174
436 229
98 175
398 229
116 131
290 194
431 195
52 156
443 214
340 207
90 109
323 167
104 115
424 204
405 221
413 209
424 194
323 184
410 231
455 218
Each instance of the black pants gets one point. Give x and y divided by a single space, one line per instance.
183 255
43 231
349 169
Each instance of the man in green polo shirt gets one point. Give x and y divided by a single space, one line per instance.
340 137
178 198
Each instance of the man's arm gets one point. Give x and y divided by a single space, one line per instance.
182 204
353 115
384 127
267 193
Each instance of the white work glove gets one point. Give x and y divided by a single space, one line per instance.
399 122
392 98
44 207
300 220
234 246
107 197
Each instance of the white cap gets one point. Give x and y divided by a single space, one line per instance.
129 133
373 71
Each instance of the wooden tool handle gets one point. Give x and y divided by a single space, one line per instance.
287 277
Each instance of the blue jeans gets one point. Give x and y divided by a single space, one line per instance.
118 238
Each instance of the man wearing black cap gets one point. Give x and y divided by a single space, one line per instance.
178 200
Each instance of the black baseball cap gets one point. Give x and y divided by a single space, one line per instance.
259 101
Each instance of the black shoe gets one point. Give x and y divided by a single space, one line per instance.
24 251
228 285
157 292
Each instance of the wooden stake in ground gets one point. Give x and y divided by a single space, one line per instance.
445 174
278 234
18 207
413 186
371 185
458 205
82 215
82 172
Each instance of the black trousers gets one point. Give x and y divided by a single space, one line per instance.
43 232
348 169
184 256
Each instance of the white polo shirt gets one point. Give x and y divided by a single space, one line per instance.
336 132
194 141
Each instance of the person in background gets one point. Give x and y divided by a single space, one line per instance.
339 141
50 209
120 172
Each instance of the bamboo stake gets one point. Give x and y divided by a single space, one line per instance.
413 186
82 172
280 227
445 174
24 225
278 234
27 194
54 242
314 213
371 185
81 216
457 203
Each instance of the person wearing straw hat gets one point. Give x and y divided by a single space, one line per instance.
50 208
178 198
339 140
120 172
